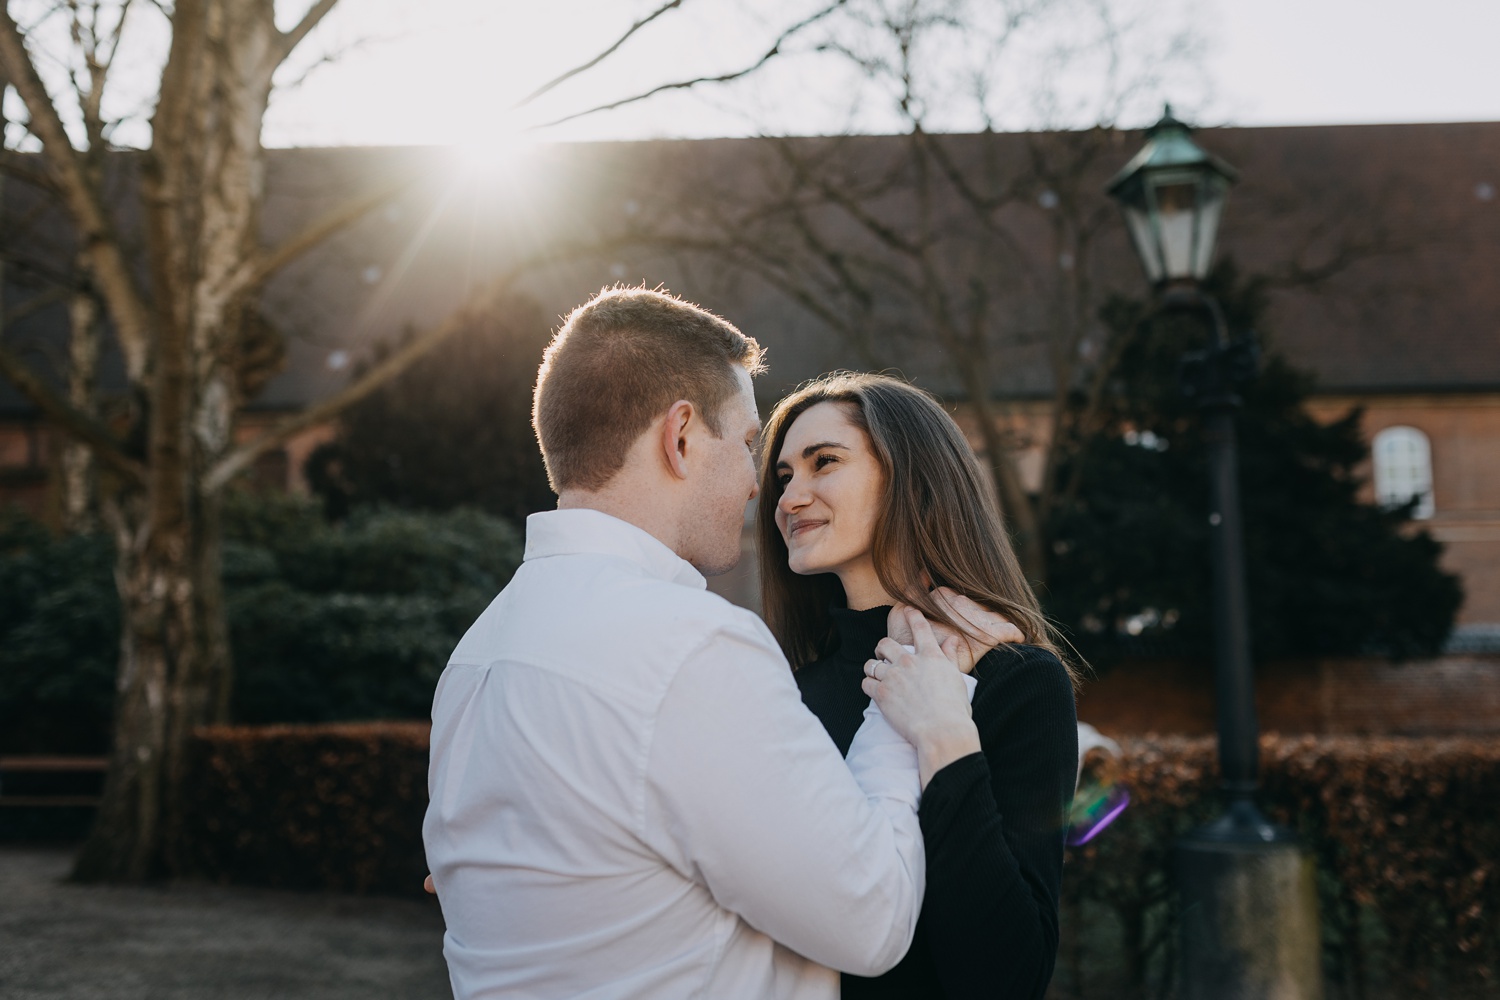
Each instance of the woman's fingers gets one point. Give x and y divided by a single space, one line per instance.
891 650
926 643
923 697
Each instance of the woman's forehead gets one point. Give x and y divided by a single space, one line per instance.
822 422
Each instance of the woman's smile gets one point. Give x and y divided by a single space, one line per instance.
797 528
831 488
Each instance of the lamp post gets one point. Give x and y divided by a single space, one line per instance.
1247 900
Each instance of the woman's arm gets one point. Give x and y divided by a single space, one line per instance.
993 825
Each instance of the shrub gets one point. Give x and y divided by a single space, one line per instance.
355 621
1404 831
414 441
334 807
327 622
1328 573
60 633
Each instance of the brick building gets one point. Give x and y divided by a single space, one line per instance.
1410 330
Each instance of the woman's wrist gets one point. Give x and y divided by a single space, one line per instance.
937 750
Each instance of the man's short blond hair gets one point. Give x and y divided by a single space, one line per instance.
619 361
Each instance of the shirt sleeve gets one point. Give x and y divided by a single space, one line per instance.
993 823
746 793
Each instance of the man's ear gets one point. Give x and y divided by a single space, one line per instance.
674 437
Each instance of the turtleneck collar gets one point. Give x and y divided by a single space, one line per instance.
858 632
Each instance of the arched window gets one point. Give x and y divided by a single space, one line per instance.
1403 469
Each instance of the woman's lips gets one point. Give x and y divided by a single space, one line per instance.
802 527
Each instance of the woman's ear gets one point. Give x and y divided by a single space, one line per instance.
674 437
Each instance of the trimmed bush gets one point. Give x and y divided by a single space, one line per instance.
1405 832
353 620
327 622
330 807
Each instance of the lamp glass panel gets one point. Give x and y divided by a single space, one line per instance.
1177 210
1208 231
1138 221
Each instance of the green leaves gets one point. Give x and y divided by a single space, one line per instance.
1328 573
354 620
327 622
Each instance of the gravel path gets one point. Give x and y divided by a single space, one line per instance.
200 942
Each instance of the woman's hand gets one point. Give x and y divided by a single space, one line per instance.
922 696
984 629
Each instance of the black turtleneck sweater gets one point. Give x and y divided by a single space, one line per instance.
992 821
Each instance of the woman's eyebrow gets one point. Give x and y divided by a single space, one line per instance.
812 450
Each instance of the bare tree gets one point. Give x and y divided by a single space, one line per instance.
979 262
183 312
959 258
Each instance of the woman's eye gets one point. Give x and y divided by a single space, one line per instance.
823 460
782 480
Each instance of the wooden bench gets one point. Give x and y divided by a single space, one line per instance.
49 765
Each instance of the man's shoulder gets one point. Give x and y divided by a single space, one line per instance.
613 611
692 618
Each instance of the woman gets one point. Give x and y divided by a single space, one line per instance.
871 497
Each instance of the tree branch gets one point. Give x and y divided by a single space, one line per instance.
112 275
268 262
291 39
238 460
769 54
36 304
585 67
81 426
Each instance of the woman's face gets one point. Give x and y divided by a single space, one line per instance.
831 489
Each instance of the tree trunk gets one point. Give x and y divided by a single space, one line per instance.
203 184
78 494
162 693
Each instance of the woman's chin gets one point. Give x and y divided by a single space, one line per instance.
804 566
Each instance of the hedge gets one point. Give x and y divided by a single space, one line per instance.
1406 833
336 806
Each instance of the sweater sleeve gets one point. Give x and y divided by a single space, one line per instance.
993 825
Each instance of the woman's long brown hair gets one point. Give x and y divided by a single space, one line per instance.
939 523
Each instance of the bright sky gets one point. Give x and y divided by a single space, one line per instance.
1293 62
448 72
387 72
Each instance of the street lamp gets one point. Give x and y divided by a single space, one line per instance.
1246 890
1173 194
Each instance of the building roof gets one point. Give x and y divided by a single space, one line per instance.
1405 219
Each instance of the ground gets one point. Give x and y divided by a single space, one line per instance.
205 942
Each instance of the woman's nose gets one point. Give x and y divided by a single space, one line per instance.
793 496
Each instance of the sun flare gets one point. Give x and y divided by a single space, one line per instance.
498 154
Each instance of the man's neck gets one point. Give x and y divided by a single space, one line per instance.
626 506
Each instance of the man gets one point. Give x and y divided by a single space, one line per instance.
628 798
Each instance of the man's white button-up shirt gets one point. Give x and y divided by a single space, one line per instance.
629 799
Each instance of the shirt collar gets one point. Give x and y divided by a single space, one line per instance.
582 531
